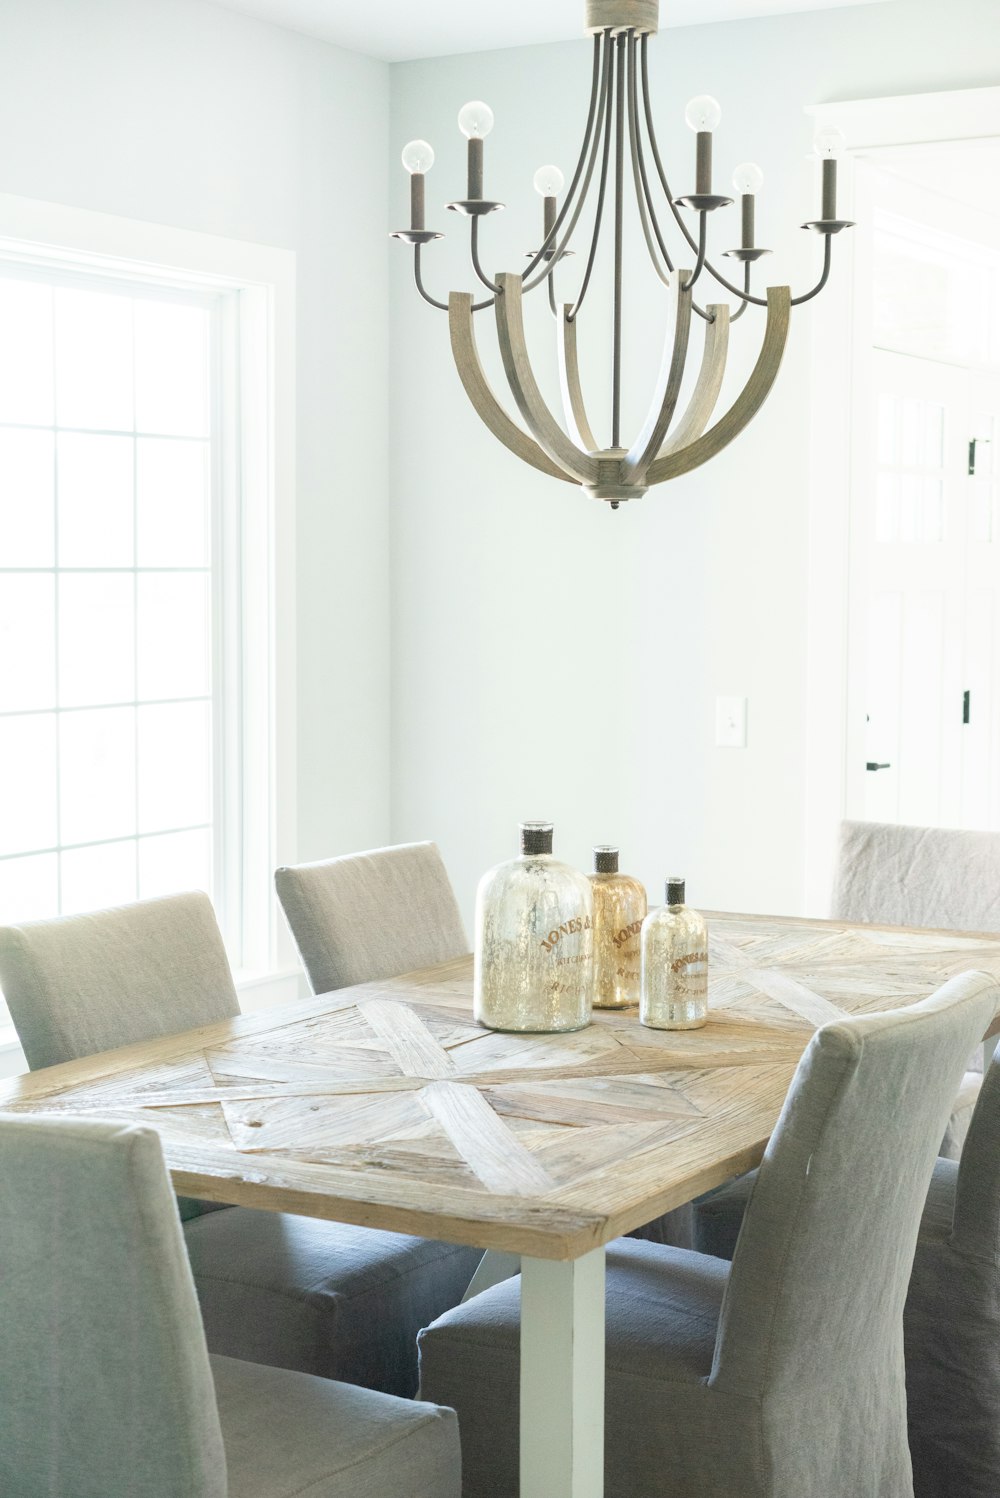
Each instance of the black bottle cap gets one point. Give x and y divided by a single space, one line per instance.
536 837
675 891
605 859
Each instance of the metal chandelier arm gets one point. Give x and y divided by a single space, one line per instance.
538 418
477 388
747 403
649 440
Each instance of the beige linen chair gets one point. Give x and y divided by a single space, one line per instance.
321 1297
782 1375
108 1388
371 915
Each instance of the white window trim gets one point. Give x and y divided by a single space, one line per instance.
875 130
259 286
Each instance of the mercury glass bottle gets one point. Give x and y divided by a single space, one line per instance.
619 909
534 941
674 965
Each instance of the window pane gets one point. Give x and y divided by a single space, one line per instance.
97 774
96 638
29 888
93 360
27 497
175 769
95 877
173 634
28 783
174 862
172 512
171 369
95 501
27 633
26 352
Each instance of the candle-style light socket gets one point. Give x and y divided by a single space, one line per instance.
747 204
703 162
829 209
475 166
416 202
549 222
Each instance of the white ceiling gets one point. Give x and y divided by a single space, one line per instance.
398 30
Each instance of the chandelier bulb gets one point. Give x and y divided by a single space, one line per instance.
748 178
703 113
418 156
475 119
830 143
549 181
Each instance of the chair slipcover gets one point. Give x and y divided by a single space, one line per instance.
371 915
108 1390
320 1297
782 1377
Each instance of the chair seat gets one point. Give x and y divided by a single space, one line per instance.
719 1215
663 1307
289 1433
320 1297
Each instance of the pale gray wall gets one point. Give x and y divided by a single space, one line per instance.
183 113
551 658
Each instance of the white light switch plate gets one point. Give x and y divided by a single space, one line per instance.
731 722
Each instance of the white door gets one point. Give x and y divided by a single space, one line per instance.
925 565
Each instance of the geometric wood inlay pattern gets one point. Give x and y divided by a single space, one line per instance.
387 1105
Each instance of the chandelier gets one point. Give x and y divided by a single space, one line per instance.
619 141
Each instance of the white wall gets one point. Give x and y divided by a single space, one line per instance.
183 113
550 657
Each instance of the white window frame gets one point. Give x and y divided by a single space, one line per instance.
254 288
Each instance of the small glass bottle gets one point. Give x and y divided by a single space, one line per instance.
674 965
619 909
534 941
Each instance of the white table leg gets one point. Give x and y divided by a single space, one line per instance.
562 1377
493 1267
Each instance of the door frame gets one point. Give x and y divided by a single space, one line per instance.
841 335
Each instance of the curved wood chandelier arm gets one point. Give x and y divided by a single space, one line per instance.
477 388
574 409
647 444
709 382
747 403
538 418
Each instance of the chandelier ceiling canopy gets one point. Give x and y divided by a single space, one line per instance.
619 145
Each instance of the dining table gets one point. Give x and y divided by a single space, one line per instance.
387 1105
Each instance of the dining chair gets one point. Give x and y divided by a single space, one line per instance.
108 1387
371 915
321 1297
782 1374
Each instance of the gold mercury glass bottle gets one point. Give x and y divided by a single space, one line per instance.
534 941
674 965
619 909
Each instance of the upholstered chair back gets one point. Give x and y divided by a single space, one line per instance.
88 983
820 1273
372 915
918 876
107 1390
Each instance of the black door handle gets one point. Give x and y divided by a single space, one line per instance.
871 765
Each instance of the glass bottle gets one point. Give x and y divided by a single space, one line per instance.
619 909
674 965
534 941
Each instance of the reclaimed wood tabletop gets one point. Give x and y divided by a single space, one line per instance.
387 1105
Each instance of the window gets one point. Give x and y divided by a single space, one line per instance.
140 751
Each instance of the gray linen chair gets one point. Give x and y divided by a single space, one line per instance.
782 1375
371 915
321 1297
108 1388
893 876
